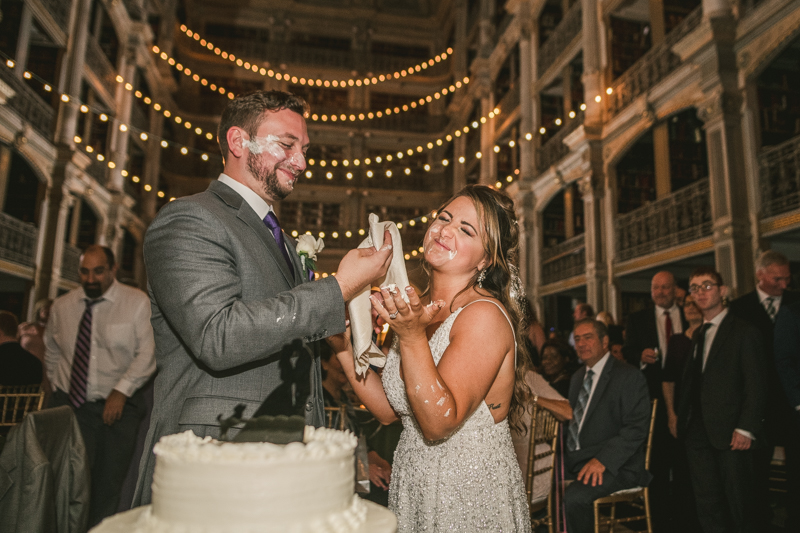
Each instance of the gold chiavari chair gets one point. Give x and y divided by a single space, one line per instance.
336 417
543 430
18 400
631 496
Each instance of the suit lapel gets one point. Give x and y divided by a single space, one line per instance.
723 333
602 383
246 214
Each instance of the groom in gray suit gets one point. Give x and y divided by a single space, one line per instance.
228 294
606 436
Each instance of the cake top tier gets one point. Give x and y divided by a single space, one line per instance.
320 443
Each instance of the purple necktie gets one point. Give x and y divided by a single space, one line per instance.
80 363
274 226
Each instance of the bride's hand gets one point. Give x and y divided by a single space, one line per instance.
405 318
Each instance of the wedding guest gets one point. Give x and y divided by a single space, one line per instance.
17 365
535 338
453 378
721 402
549 399
647 334
99 353
557 365
582 311
760 308
228 290
787 362
606 436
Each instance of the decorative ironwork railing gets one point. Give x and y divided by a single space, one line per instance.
17 241
681 217
28 104
564 261
101 66
562 35
70 263
652 67
554 149
779 173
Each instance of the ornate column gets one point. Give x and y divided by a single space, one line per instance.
52 230
459 169
591 189
152 167
592 72
23 39
721 112
527 72
73 68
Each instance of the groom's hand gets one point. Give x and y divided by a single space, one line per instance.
363 265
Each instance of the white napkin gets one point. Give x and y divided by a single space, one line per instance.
365 352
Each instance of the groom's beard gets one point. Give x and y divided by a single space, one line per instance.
268 178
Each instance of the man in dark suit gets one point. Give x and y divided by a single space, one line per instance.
647 335
228 292
787 362
721 400
17 365
606 436
760 308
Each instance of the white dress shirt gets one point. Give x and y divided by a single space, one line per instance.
661 325
122 348
709 340
597 369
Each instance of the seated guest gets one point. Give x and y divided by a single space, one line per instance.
557 365
606 436
548 398
17 365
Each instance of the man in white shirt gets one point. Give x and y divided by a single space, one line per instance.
760 308
721 400
98 354
605 439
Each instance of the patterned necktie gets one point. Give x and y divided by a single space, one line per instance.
274 226
770 308
583 399
80 362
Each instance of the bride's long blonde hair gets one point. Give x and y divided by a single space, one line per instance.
500 235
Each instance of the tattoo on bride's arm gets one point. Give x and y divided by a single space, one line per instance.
493 406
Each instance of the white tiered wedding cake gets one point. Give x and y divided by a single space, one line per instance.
204 485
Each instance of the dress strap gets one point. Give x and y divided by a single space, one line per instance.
500 307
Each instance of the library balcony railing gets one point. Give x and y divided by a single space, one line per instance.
564 260
70 262
101 66
408 122
655 65
779 173
681 217
17 241
28 104
554 149
99 171
562 35
59 10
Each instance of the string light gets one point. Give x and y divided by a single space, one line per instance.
324 117
250 66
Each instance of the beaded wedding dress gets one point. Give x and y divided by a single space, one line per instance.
470 481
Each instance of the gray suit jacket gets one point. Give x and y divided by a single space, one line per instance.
616 422
224 305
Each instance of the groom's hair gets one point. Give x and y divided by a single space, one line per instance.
247 112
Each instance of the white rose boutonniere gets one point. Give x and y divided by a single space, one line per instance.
307 248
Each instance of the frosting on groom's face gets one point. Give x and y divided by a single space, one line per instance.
276 155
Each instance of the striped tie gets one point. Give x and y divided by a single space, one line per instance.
583 399
80 363
770 308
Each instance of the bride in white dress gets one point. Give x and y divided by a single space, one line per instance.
452 376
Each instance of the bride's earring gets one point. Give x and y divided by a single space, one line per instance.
481 277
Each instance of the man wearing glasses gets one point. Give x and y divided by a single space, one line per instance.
721 403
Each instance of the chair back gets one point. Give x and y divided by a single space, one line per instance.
336 417
18 400
653 405
543 430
